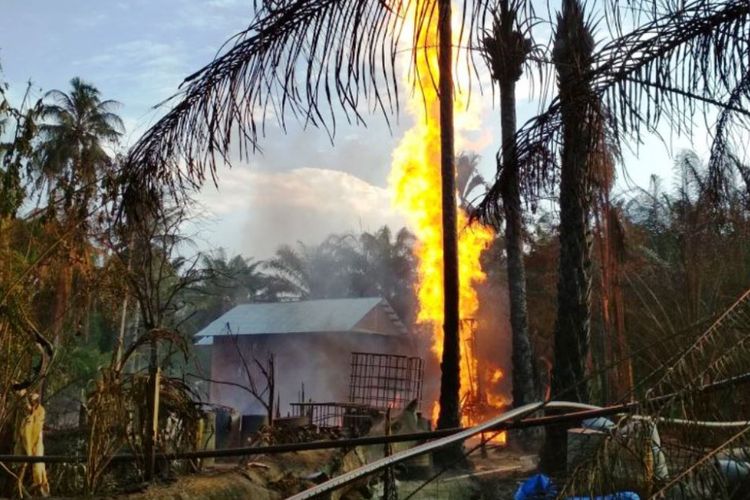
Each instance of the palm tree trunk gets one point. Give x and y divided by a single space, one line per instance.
574 281
524 390
572 58
450 374
63 285
571 336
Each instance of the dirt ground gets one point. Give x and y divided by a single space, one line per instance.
495 475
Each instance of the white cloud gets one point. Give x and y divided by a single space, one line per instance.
91 20
210 15
152 63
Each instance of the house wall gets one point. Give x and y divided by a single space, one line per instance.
319 360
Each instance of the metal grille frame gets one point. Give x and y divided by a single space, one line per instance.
385 381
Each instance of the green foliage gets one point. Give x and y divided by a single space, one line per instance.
74 368
225 283
691 257
18 130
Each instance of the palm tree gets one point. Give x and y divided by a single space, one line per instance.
573 48
679 58
301 56
450 366
572 55
71 162
372 264
78 126
507 49
227 282
468 179
660 72
311 271
388 269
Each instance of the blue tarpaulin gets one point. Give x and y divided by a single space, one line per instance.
540 487
598 424
623 495
537 487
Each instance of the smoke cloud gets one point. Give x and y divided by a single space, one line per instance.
261 210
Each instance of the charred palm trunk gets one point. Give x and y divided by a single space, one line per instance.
572 58
450 367
506 52
522 357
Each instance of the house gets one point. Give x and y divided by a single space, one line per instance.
311 342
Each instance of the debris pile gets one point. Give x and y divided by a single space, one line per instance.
269 435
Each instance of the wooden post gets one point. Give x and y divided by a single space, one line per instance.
152 428
271 389
389 487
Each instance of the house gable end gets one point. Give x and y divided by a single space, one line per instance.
381 319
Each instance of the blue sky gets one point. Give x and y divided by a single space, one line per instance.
302 187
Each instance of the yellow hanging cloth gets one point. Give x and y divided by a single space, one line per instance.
29 441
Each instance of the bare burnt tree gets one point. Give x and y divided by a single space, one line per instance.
25 352
259 377
145 240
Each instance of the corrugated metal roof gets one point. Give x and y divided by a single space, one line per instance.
203 341
327 315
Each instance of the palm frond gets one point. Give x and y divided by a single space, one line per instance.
731 123
685 439
316 61
686 58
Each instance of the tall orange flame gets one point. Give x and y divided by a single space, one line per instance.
416 187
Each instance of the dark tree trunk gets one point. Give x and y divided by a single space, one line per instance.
574 277
572 56
524 390
450 367
506 51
